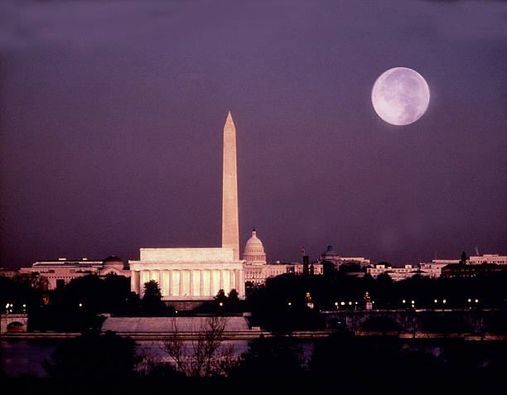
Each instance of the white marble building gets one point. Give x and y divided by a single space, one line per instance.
488 258
431 269
197 274
257 268
396 273
188 274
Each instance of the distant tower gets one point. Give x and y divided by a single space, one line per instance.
230 220
306 265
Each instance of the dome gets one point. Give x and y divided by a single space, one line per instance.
329 252
113 261
254 250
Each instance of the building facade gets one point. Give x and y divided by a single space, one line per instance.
197 274
330 256
188 274
458 270
60 272
8 273
396 273
494 259
449 268
431 269
258 270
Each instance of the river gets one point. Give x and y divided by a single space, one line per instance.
27 357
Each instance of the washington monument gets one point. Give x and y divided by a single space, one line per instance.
230 221
191 275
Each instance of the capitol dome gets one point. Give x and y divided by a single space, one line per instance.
254 250
330 252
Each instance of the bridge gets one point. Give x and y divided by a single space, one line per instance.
473 321
13 323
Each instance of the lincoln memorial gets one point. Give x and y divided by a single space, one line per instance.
188 273
194 274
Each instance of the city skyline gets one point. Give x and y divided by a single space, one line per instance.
110 128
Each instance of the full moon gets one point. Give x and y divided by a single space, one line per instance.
400 96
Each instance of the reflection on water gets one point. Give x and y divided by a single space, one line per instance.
155 349
26 357
20 358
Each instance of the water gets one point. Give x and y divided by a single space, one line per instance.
26 357
20 358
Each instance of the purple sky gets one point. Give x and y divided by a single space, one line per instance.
111 116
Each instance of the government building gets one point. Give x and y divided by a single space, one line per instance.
188 274
258 270
60 272
197 274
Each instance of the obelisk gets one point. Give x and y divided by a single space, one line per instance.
230 220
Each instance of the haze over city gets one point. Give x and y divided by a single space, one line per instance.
111 116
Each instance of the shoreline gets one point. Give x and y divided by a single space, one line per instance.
255 334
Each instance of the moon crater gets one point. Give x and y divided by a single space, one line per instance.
400 96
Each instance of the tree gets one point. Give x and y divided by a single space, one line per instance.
18 292
233 303
77 305
38 282
208 355
220 297
340 357
233 296
94 355
132 304
329 268
384 278
275 358
152 299
116 291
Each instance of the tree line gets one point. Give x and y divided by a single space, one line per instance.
286 302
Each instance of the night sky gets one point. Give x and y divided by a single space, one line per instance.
111 117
